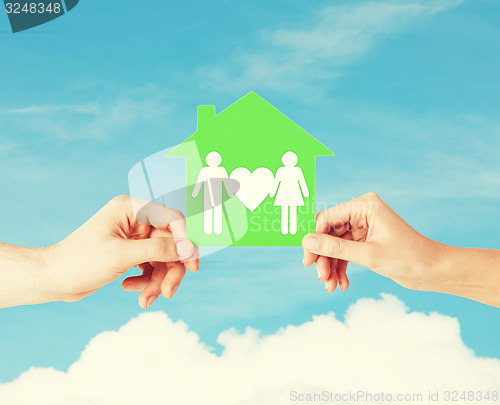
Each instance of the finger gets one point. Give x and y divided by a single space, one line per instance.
309 257
153 290
331 283
342 276
176 223
184 248
323 268
333 246
156 215
165 218
139 283
172 280
337 216
338 232
334 217
145 267
356 213
133 251
192 262
342 267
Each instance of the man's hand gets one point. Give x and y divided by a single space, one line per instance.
116 239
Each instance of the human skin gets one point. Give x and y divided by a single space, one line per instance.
366 231
128 232
100 251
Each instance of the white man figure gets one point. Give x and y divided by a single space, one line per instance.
289 186
213 177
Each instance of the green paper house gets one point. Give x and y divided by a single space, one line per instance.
250 176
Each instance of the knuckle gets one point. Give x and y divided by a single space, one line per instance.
321 217
118 253
371 196
174 215
359 225
119 202
370 256
158 247
334 246
120 199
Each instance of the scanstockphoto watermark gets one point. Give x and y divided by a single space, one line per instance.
334 224
235 208
365 396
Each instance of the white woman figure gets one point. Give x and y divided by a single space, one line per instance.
289 187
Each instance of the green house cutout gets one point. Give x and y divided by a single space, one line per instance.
253 149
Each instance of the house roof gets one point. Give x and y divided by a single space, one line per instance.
252 123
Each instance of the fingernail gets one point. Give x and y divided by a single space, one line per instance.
326 286
174 290
303 260
341 287
319 275
184 248
150 301
310 243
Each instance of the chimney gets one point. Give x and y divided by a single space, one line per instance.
206 114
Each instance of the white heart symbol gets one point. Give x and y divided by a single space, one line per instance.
254 186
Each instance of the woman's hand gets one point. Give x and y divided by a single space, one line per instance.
368 232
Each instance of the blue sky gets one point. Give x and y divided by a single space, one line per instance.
405 93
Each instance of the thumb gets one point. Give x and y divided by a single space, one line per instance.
136 251
332 246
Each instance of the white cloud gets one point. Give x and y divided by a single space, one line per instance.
97 119
294 59
446 157
89 108
380 346
7 146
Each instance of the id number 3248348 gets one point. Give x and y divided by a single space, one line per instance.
33 8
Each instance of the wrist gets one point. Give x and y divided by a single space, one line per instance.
451 272
441 278
42 259
435 267
37 275
26 275
472 273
